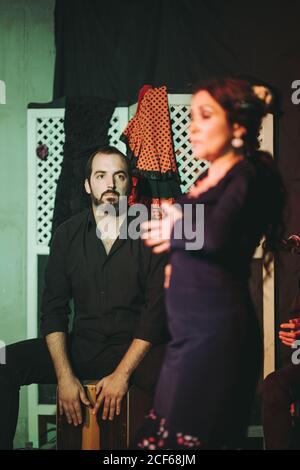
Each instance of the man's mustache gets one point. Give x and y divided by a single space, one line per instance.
110 191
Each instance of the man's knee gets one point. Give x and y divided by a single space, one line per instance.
8 367
7 378
24 361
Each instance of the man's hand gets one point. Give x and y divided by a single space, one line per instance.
289 337
70 394
70 390
111 389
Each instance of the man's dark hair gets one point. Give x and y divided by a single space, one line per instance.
106 150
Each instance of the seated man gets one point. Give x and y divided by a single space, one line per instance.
281 388
119 328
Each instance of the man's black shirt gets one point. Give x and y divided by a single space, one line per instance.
117 297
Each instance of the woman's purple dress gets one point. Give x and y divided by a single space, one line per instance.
208 379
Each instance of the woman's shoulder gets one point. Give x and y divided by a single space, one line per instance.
260 166
243 168
246 173
258 169
259 175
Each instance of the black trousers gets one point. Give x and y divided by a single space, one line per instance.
280 389
29 362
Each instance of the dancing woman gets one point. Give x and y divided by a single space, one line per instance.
208 380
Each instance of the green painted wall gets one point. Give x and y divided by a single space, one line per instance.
26 65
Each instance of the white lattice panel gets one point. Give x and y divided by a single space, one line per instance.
49 130
189 168
117 125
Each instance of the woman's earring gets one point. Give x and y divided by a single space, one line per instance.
237 142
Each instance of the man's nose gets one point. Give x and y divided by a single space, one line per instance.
111 183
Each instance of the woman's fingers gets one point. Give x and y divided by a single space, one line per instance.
168 272
162 247
287 343
155 233
154 241
289 326
152 236
286 334
150 225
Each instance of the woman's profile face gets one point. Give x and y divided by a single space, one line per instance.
209 132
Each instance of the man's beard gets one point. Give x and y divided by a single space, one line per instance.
105 206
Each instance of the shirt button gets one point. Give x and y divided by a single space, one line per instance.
102 292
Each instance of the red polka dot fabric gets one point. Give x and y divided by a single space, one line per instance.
149 133
148 136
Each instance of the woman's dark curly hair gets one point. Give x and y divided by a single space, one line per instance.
243 106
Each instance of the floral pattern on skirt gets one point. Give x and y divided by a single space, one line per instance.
155 435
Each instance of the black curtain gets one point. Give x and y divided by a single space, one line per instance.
111 48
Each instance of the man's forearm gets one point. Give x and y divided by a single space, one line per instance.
57 346
134 355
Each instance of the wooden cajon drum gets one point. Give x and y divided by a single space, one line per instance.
95 433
